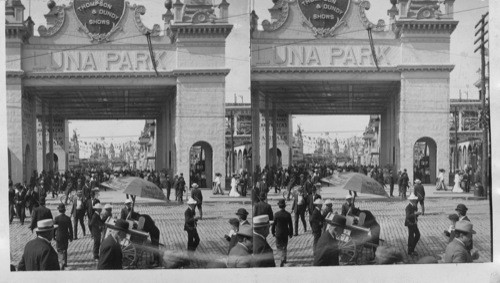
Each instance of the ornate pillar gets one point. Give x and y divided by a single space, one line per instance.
255 131
275 143
44 139
51 139
266 118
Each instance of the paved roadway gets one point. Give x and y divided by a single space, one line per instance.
217 211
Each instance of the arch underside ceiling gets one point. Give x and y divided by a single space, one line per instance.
328 97
94 102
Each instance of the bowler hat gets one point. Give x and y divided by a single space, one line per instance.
45 225
461 207
121 225
61 206
338 220
464 226
242 211
281 203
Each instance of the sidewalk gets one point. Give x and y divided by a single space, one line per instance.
113 196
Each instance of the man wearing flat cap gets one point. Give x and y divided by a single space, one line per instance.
64 233
262 251
456 251
111 256
327 248
39 253
240 256
263 208
282 229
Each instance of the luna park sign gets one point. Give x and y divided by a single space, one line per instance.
324 16
99 18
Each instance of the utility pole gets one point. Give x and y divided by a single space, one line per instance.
482 32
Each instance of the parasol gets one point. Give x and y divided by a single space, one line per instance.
135 186
363 184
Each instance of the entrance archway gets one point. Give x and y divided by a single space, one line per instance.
424 160
56 162
200 164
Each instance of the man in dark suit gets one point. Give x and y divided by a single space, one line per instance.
310 199
232 236
282 229
190 227
40 213
241 255
316 222
262 252
111 256
411 220
39 253
108 213
64 233
150 227
348 208
96 226
327 249
419 191
242 216
263 208
456 251
20 201
198 197
127 212
90 203
299 208
403 183
462 215
78 213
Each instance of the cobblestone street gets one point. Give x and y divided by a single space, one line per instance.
213 247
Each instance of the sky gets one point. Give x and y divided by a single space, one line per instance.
237 57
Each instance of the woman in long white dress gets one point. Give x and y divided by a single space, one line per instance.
234 184
457 180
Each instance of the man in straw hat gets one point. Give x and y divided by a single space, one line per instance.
262 251
348 207
411 220
282 229
327 248
108 213
240 256
190 227
316 222
456 251
64 233
39 253
111 256
96 226
198 197
127 211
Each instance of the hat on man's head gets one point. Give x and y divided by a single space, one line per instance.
338 220
121 225
318 185
328 202
464 226
461 207
412 197
453 217
41 201
45 225
261 221
348 196
318 202
194 185
242 211
191 201
417 181
128 201
96 189
263 196
97 206
61 207
281 203
234 222
108 206
245 231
